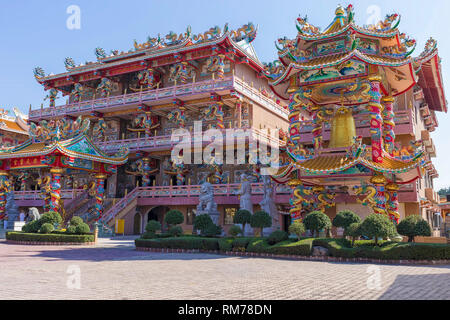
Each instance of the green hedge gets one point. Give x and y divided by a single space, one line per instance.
337 247
53 237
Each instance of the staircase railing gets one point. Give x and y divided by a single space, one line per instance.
119 206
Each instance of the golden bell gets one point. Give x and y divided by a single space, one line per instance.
343 129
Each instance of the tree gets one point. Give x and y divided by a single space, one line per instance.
297 228
316 221
378 226
345 218
173 217
202 223
153 226
242 217
261 220
414 226
353 231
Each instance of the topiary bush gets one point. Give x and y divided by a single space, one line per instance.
353 231
32 227
51 217
47 228
213 231
414 226
378 226
153 226
277 236
242 217
82 228
297 228
234 231
175 231
202 222
174 217
345 218
316 221
76 221
261 220
71 229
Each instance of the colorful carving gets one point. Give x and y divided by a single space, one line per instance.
392 204
389 23
52 96
4 189
389 125
216 65
246 32
105 87
99 195
211 34
45 189
55 204
69 63
143 167
77 92
100 53
304 27
376 120
177 117
60 129
379 182
214 113
181 72
99 129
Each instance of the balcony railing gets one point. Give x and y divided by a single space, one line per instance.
115 102
166 143
36 195
130 99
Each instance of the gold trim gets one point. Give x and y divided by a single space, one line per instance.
100 176
56 171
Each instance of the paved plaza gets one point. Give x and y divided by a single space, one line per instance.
115 270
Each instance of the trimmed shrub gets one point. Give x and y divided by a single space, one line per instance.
32 227
353 231
173 217
153 226
414 226
51 217
202 222
316 221
53 237
242 217
261 220
186 243
234 231
76 221
297 228
176 231
212 231
258 246
82 228
345 218
46 228
71 229
378 226
277 236
240 244
300 248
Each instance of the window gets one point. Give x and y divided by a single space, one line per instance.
229 215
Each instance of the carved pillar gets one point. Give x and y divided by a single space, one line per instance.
388 124
55 204
239 113
99 195
4 181
148 124
317 130
376 121
392 202
219 116
294 119
146 176
379 182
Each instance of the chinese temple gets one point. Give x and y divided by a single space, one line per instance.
351 108
347 87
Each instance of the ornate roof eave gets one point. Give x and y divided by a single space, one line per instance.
61 146
353 27
295 68
149 53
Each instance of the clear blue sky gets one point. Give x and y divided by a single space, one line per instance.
34 33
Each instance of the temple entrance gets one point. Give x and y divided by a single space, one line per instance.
137 224
157 214
286 222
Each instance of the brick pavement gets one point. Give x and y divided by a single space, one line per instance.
114 270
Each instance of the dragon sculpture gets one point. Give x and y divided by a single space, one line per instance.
38 73
173 39
52 96
105 87
78 92
247 31
389 23
69 63
211 34
5 188
216 65
146 80
99 130
44 185
180 72
215 113
100 53
142 168
55 130
177 117
304 27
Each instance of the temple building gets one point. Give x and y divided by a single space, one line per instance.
361 113
349 107
13 128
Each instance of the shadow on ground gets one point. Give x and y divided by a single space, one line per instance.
416 287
